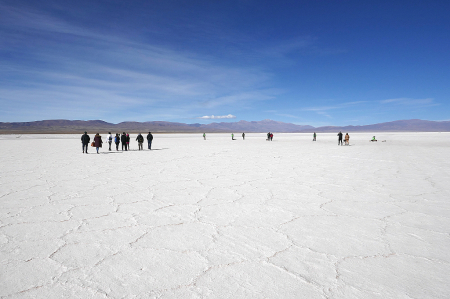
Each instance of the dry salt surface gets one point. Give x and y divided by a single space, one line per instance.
218 218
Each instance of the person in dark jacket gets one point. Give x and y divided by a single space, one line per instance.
314 136
123 139
85 141
243 136
149 140
340 138
128 141
117 141
140 140
98 141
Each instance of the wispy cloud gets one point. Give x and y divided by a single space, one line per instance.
288 46
408 101
217 116
337 106
304 45
115 75
323 110
288 115
242 97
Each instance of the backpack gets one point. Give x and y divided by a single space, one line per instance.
110 138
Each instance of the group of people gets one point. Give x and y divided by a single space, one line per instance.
269 136
346 138
232 136
124 139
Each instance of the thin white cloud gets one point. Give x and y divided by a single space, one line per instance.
338 106
306 45
322 110
288 46
288 115
242 97
217 116
323 113
408 101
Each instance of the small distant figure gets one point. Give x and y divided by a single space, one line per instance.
110 140
314 136
117 141
128 141
268 136
140 140
373 139
85 142
243 136
204 136
232 136
271 136
340 138
347 139
98 141
149 140
123 139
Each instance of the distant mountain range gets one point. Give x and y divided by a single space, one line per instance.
62 126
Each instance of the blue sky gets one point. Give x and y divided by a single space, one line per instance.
305 62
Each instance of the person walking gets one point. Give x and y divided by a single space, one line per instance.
268 136
271 136
347 139
232 136
314 136
123 139
243 136
85 142
150 139
140 140
110 140
204 136
98 141
128 141
340 138
117 141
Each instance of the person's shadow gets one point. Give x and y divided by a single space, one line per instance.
109 152
136 150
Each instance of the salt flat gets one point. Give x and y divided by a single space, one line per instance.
218 218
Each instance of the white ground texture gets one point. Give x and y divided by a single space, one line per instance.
218 218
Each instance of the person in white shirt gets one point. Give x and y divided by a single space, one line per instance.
110 139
